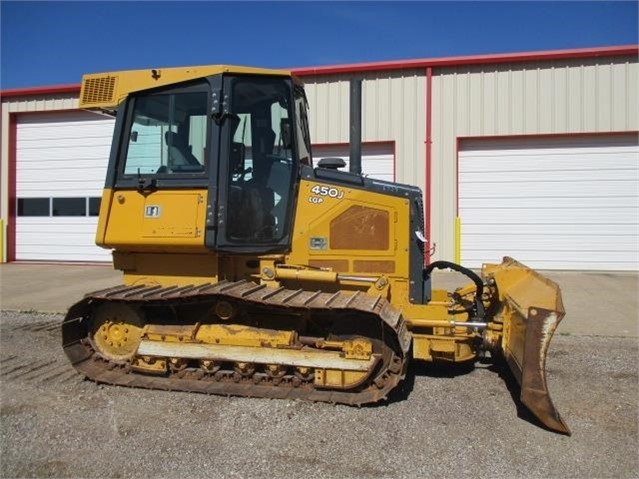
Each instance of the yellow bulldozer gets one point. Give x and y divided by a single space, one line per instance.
249 270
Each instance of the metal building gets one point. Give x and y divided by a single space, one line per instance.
533 155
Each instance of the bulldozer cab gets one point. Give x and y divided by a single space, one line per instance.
239 137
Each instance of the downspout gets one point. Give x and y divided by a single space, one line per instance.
355 137
12 203
427 180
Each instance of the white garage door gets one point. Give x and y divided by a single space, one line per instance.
61 162
559 203
378 159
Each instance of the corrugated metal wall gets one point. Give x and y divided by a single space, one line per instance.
49 103
393 109
550 97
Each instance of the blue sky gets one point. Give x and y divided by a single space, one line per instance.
54 43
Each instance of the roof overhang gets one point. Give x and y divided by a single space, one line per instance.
614 51
471 60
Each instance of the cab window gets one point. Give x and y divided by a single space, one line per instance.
261 160
167 134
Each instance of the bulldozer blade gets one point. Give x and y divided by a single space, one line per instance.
530 308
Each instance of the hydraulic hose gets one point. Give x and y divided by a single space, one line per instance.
474 277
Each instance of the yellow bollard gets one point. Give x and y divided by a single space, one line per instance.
1 240
458 240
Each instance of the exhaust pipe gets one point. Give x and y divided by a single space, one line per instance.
355 139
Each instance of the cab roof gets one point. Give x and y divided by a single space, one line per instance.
106 91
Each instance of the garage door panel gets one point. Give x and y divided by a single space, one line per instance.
84 254
68 153
62 175
64 226
571 204
60 241
563 264
545 188
68 242
566 167
62 189
56 245
46 126
548 216
550 243
381 169
78 140
570 156
55 252
582 263
533 169
102 144
609 174
571 258
562 260
61 155
562 229
63 240
65 164
549 145
576 202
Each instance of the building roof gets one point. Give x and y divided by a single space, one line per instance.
594 52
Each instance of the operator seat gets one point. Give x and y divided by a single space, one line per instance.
179 152
279 182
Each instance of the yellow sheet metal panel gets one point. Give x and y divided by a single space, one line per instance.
240 335
103 216
162 219
167 269
378 229
107 90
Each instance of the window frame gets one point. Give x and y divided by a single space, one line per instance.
72 201
87 201
185 179
20 207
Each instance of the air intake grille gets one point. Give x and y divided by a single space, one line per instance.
98 90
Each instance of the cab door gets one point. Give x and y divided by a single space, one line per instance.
258 167
156 193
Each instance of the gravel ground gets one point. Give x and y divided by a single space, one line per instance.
445 423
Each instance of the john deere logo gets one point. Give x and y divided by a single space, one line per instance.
152 211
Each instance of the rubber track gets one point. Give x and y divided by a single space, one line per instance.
84 359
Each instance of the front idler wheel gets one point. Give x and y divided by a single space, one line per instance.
116 329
